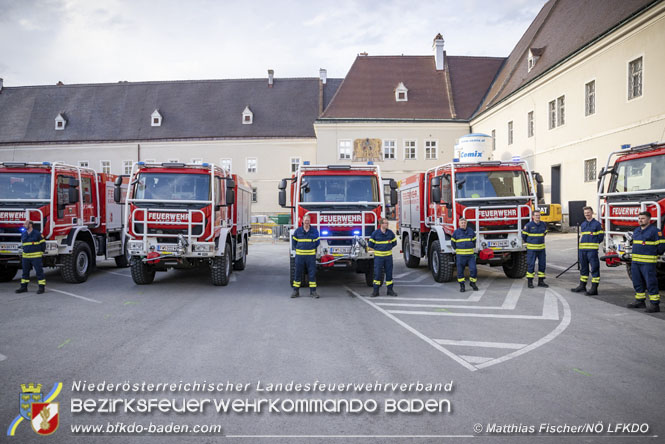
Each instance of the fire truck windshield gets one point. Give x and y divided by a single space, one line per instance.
484 184
639 175
172 186
25 185
340 189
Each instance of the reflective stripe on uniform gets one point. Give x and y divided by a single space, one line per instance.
535 246
588 246
34 243
584 278
464 251
306 252
466 239
306 240
530 275
312 285
376 282
640 296
472 279
592 233
389 282
42 282
541 274
460 279
32 255
383 253
654 297
296 284
25 281
526 233
595 280
645 258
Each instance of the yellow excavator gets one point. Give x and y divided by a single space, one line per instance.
549 213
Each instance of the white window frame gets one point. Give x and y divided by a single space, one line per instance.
435 147
297 163
81 162
339 149
156 115
629 78
530 124
386 148
256 164
255 194
586 98
595 173
551 114
126 163
415 148
511 127
493 134
101 166
561 111
221 163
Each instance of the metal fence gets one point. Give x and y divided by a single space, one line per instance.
271 229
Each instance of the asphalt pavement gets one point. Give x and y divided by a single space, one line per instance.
516 357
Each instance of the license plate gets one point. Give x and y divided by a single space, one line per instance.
167 248
9 246
340 250
498 244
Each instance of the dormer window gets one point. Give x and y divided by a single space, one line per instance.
156 118
60 122
534 55
247 116
401 93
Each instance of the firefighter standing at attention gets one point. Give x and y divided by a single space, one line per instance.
464 243
383 241
305 241
534 235
34 246
648 244
592 235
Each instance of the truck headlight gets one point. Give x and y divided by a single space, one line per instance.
135 245
206 248
51 246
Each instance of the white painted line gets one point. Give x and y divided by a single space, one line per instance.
233 278
420 278
415 332
119 274
550 312
542 341
513 295
2 357
401 275
479 344
559 267
75 295
474 296
475 359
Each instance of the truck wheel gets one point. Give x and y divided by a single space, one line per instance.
515 268
7 273
142 273
220 270
369 275
242 262
124 260
409 260
442 264
76 266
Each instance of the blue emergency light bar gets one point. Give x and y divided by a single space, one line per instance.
324 232
306 162
625 146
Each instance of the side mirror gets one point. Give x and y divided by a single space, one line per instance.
282 184
230 196
305 186
393 197
392 183
449 205
73 183
540 193
118 181
538 177
73 195
117 194
435 189
230 183
282 198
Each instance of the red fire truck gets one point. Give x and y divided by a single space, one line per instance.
345 203
636 183
184 216
73 207
495 197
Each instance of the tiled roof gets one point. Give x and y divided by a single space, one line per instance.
190 110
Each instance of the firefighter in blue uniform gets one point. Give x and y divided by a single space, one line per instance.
34 246
592 236
533 235
464 243
648 244
305 241
383 241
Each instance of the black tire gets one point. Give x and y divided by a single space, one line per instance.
410 260
7 273
76 266
515 268
142 273
630 273
369 275
241 263
124 260
441 264
220 270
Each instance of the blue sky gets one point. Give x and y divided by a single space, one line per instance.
90 41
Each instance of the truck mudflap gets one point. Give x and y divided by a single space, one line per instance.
444 240
223 234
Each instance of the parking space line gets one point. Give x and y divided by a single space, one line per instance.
474 296
2 357
475 359
420 278
479 344
75 295
119 274
431 342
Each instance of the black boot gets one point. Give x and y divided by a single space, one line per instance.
529 282
314 294
461 287
22 289
594 289
295 293
541 283
474 286
391 292
580 288
637 303
653 308
375 292
41 290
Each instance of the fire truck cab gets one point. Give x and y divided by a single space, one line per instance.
184 216
345 204
495 197
71 206
632 181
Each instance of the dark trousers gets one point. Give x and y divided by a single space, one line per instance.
27 264
645 274
462 262
531 257
308 263
383 263
589 259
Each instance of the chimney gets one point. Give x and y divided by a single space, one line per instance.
271 76
1 82
439 54
323 75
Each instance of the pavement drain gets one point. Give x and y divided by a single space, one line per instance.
581 372
67 341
